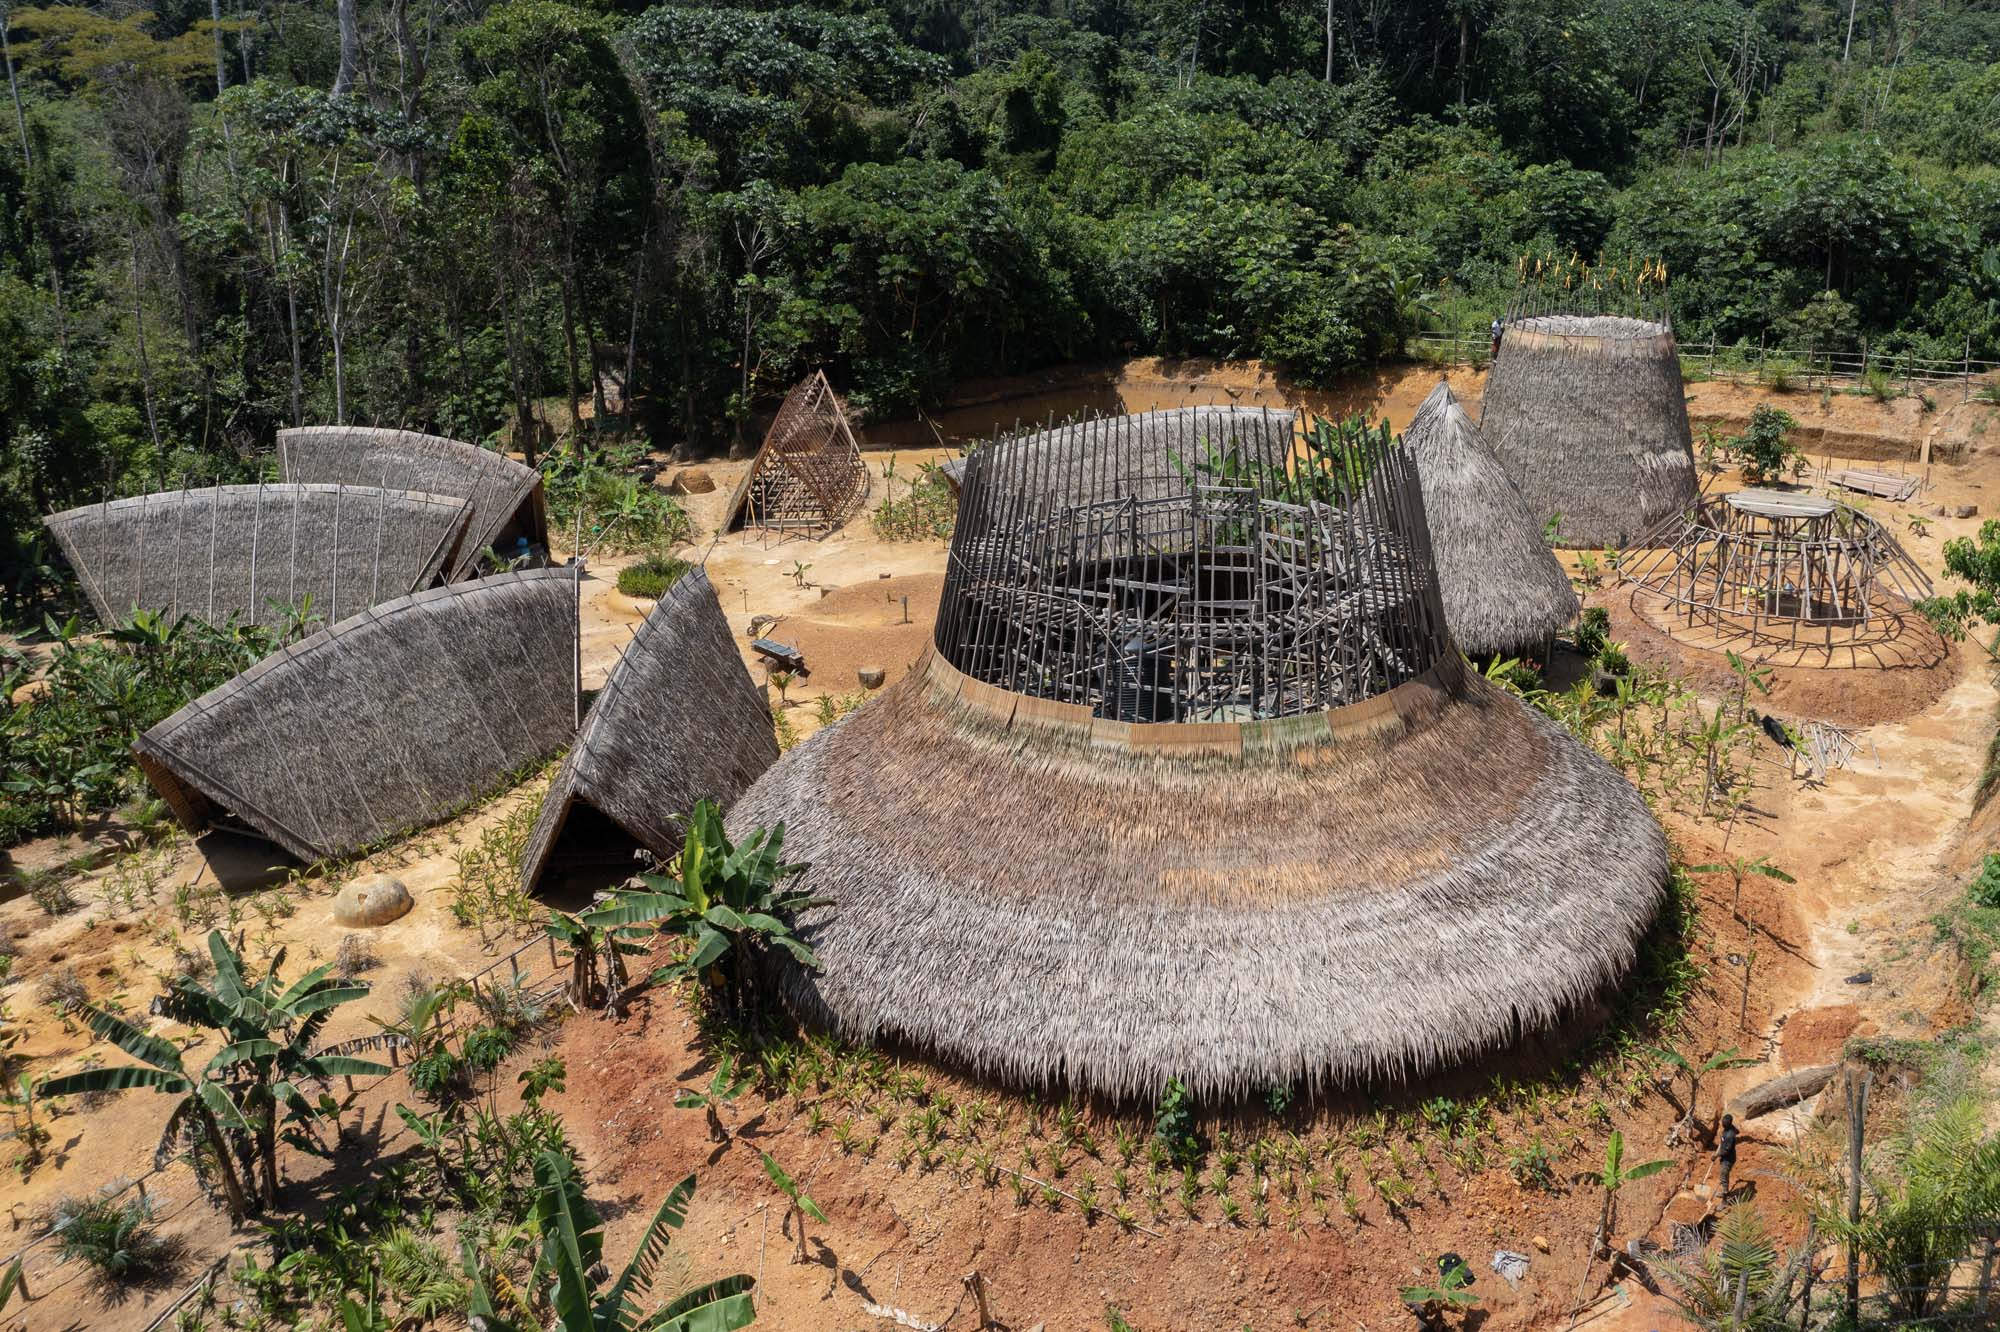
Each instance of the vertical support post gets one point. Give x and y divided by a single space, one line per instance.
976 1284
1857 1119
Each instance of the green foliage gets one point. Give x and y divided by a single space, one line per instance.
253 1089
116 1238
927 511
1593 631
1766 451
727 905
65 749
1974 561
650 578
1174 1123
1985 889
1742 1282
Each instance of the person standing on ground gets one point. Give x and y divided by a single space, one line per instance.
1725 1153
1496 336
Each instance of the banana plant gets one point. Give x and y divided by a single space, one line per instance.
1695 1072
572 1255
597 974
802 1205
269 1035
722 1089
1614 1177
1737 868
728 905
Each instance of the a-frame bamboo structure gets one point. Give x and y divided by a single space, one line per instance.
808 477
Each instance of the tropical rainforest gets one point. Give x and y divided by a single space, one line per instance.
532 221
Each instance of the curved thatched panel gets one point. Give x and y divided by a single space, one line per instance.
1143 455
227 551
678 721
388 720
507 500
1502 587
1588 416
1043 896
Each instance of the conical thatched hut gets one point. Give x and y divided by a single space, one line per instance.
233 551
808 475
1070 454
1198 787
1588 416
388 720
1503 589
508 505
678 721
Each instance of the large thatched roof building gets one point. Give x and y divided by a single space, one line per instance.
386 721
1502 587
678 721
508 506
1198 786
808 475
1588 416
235 551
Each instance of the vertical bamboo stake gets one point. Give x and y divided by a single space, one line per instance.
1857 1116
976 1283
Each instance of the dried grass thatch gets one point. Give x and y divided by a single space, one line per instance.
386 721
1588 416
231 551
1080 457
678 721
808 475
507 500
1367 893
1502 587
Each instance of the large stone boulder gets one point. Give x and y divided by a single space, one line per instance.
372 899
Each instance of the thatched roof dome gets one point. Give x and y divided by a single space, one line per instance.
1287 836
224 551
1588 416
506 497
1502 587
387 721
678 721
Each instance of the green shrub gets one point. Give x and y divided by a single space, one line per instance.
1592 631
1173 1124
116 1238
1611 659
1985 890
1766 449
650 578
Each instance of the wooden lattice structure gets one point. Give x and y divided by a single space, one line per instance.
808 477
1774 567
1178 567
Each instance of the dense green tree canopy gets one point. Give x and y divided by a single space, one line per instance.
534 210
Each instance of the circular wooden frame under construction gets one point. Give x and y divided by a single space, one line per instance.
1189 566
1290 839
1777 568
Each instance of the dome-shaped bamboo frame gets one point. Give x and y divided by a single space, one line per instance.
1776 568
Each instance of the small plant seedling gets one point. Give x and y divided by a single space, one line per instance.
802 1205
723 1088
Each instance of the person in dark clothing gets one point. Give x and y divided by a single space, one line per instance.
1725 1152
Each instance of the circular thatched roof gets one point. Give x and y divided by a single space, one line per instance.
1369 892
1588 416
1502 588
1194 784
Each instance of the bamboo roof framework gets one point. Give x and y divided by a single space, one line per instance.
388 720
808 476
678 721
1502 587
1773 567
222 553
1193 783
508 505
1588 415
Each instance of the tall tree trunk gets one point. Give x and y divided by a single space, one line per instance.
281 266
243 42
1849 46
1329 41
573 382
524 416
221 66
1464 44
145 366
225 1165
14 90
632 326
348 15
